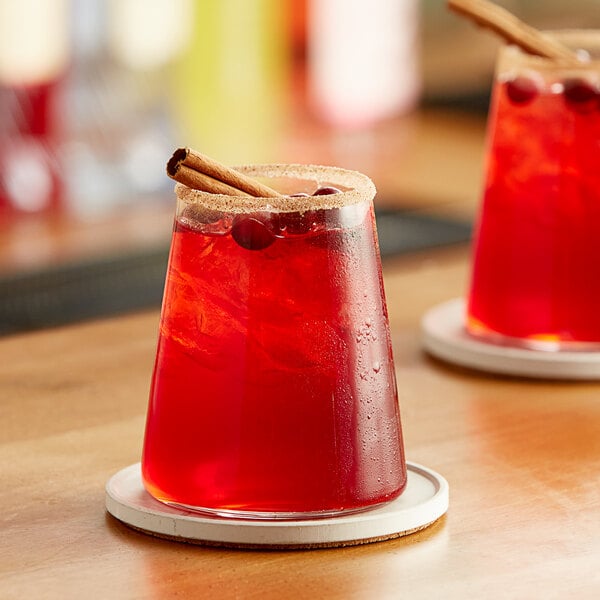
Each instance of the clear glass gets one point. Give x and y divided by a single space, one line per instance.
537 243
274 392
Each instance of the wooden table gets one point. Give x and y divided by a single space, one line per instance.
522 459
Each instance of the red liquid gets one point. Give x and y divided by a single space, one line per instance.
274 386
537 250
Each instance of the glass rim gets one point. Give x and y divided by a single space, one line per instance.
356 188
577 39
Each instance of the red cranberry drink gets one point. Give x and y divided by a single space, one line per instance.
274 393
537 250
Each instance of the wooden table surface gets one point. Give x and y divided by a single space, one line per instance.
522 459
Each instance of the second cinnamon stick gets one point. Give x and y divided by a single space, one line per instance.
513 30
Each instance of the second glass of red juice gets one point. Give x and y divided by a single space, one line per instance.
274 394
535 279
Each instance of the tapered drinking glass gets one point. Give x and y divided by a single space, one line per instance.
536 254
274 393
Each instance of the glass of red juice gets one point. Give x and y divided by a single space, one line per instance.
536 253
274 392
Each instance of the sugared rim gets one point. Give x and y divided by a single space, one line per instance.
577 39
357 188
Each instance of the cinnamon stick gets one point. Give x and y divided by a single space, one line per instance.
513 30
200 172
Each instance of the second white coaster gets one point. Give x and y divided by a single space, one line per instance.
424 500
445 337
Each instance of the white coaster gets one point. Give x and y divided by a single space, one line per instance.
424 500
445 337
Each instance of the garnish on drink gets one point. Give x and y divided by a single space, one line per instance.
274 393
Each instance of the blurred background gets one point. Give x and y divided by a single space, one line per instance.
96 94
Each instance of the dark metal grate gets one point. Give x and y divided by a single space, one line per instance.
81 291
402 232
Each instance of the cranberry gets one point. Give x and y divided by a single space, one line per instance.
522 90
326 191
300 223
297 223
251 233
580 95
